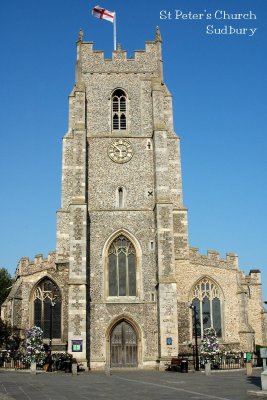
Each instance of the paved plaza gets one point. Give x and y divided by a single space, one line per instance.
128 385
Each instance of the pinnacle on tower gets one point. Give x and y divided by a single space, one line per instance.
158 37
80 35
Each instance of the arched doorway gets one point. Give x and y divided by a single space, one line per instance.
123 346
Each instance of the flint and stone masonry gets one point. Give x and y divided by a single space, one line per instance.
122 183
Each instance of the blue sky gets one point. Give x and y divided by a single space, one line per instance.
218 84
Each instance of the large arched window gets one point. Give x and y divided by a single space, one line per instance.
207 298
47 308
122 268
119 110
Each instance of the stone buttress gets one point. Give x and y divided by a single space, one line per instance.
72 217
168 197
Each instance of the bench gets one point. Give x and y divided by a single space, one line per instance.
174 364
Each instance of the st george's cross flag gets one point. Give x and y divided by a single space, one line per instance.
102 13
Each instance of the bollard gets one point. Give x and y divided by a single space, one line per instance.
33 368
248 368
74 369
208 369
264 380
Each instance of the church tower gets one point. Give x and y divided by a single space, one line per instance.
120 288
122 223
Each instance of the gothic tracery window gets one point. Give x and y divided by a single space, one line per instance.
122 268
47 307
207 299
119 110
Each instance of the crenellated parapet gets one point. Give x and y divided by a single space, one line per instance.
254 277
143 61
27 267
213 259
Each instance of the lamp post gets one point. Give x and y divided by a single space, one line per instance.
195 334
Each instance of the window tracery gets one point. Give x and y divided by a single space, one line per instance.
119 110
47 308
207 298
122 267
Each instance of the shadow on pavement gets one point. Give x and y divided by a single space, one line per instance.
255 380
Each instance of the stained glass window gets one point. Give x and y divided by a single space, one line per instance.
216 314
206 298
122 268
47 306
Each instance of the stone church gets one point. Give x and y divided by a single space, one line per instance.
117 291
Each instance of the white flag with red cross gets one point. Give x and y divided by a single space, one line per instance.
102 13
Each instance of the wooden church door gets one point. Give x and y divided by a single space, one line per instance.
123 346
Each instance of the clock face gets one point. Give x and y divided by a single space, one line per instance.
120 151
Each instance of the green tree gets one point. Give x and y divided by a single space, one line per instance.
5 332
9 336
5 284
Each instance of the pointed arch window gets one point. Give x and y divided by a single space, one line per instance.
47 308
207 299
122 268
119 110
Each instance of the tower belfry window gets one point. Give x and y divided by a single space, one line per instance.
119 110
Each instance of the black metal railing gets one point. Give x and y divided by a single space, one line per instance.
221 361
229 362
59 362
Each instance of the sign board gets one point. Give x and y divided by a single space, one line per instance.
169 341
263 352
76 346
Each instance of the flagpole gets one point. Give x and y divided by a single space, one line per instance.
114 32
